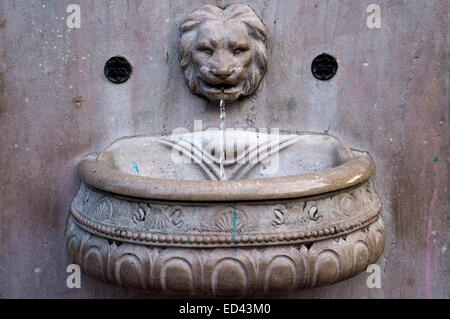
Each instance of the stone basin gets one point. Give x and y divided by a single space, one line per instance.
296 210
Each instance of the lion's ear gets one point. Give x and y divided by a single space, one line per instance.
184 59
256 32
189 25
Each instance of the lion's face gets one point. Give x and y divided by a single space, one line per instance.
221 58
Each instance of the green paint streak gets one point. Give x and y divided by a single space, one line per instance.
436 159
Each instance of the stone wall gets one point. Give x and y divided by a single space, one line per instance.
389 97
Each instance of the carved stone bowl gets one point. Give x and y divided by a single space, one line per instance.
296 211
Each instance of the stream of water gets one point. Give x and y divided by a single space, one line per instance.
223 140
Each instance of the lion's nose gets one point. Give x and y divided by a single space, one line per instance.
222 73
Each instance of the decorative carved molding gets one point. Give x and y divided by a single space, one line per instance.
226 271
194 224
253 149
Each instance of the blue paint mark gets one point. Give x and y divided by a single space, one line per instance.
436 159
234 231
135 166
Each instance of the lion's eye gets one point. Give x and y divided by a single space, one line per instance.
239 51
205 50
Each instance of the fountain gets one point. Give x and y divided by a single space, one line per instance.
281 211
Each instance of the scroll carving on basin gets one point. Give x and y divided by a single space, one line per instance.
225 212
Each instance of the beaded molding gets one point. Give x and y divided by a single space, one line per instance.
294 221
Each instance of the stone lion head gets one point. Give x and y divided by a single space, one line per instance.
223 51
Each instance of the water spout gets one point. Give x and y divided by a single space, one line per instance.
223 140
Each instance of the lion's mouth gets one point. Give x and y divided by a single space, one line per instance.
222 88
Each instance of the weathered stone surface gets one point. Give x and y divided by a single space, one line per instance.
225 224
332 199
223 51
389 97
226 271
